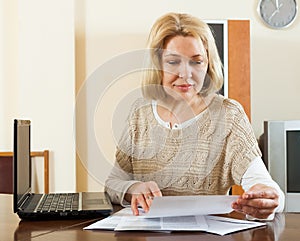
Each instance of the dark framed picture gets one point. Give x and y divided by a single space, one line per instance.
220 32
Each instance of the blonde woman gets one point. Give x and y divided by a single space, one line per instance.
183 138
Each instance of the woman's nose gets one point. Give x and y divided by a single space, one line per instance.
185 72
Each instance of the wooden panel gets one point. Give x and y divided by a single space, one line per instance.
239 68
6 169
6 163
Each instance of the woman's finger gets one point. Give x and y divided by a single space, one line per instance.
149 198
134 205
260 203
256 212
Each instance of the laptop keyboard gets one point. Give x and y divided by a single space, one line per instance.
58 202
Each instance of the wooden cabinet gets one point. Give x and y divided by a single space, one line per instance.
239 68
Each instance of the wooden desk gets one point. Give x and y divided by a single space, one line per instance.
12 228
286 227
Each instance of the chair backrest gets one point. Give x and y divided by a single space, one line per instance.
6 170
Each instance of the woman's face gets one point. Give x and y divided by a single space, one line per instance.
184 65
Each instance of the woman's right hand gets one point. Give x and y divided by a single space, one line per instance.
142 194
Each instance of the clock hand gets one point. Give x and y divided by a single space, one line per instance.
272 15
277 4
276 11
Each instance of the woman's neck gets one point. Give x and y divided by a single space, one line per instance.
179 111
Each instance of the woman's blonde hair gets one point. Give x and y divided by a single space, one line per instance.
171 25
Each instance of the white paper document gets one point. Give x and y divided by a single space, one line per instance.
222 225
173 206
125 221
186 223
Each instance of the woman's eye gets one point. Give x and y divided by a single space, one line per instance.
195 62
173 62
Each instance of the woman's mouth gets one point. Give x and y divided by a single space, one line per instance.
184 87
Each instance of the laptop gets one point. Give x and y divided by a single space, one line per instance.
30 205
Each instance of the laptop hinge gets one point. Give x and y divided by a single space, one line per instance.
24 199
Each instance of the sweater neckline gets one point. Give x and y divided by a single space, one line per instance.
175 125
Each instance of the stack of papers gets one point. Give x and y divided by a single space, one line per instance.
172 206
185 213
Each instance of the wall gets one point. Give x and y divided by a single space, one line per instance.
113 28
103 32
38 81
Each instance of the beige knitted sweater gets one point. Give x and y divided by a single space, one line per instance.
205 156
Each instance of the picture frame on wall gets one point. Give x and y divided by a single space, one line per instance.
220 31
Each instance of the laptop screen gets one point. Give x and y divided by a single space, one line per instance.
22 163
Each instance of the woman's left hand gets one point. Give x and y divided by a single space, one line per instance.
260 201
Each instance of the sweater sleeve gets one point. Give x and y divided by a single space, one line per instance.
120 178
257 173
121 175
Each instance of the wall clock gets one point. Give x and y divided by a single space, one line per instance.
278 14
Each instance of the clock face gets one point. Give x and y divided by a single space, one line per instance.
278 13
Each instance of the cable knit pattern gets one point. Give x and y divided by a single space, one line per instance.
206 157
